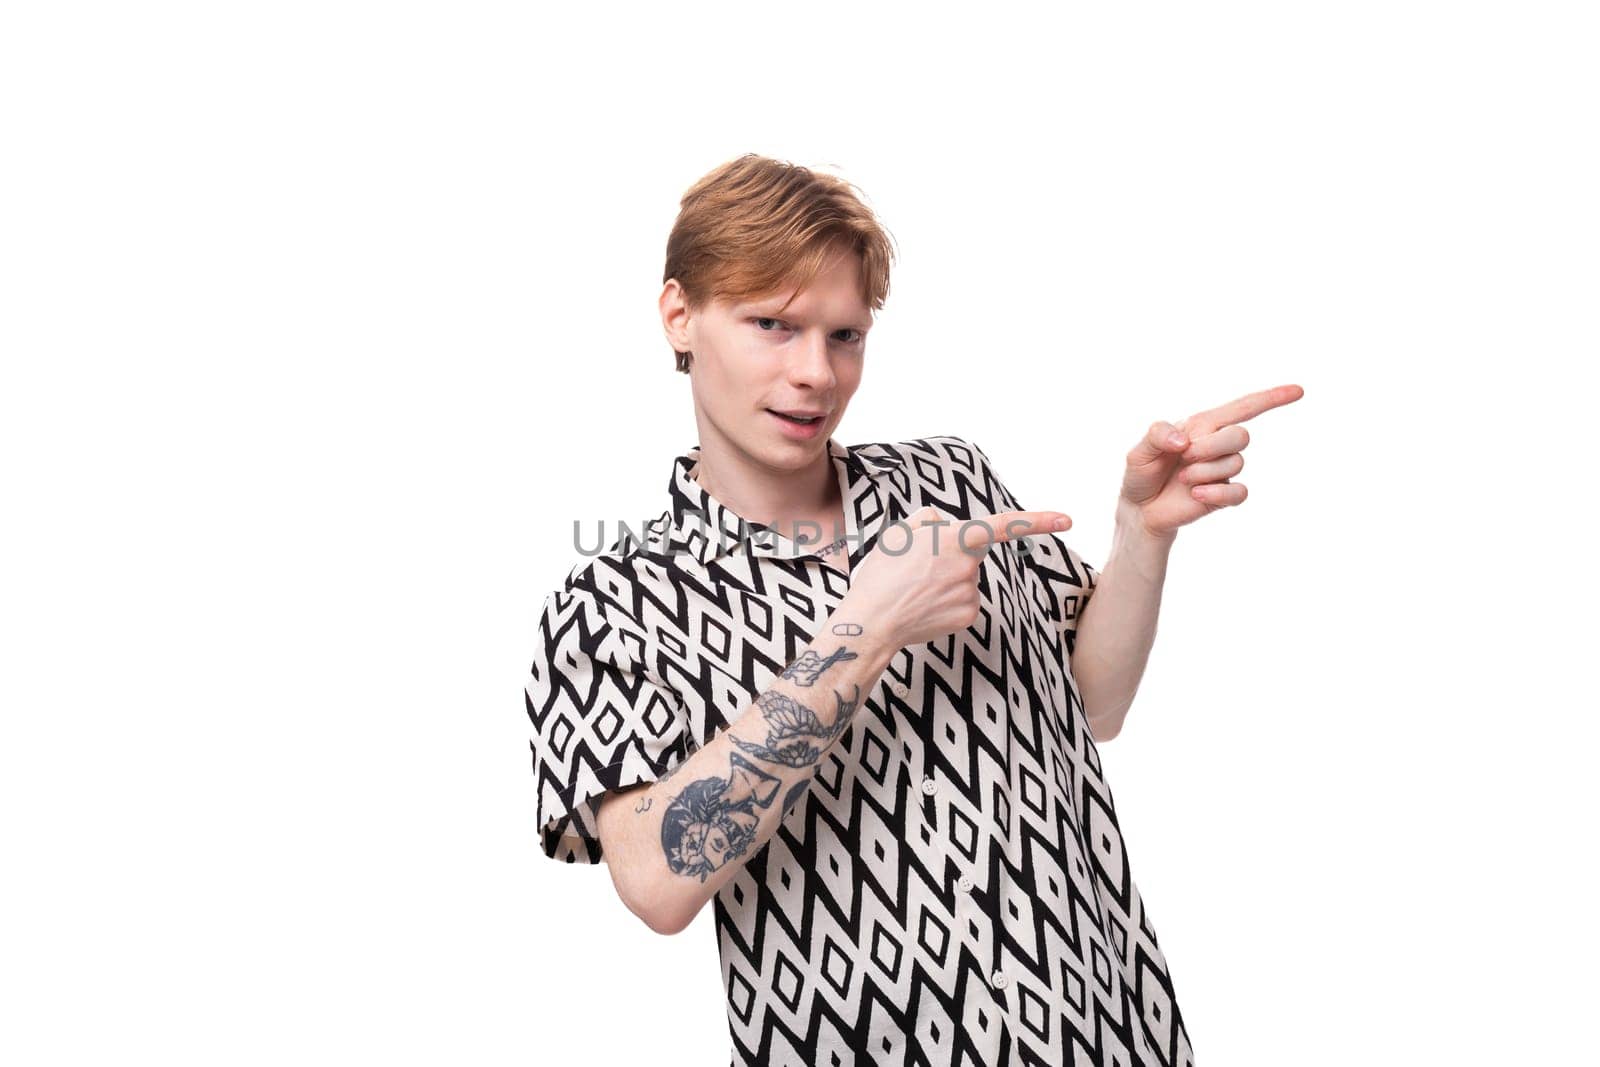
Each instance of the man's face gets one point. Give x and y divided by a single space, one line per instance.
751 361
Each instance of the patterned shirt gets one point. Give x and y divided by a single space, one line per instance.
953 888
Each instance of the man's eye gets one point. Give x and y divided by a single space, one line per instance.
857 339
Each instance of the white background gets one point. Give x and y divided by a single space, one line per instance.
323 321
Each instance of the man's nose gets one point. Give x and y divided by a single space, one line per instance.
809 363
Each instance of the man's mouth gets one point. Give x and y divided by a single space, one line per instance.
803 420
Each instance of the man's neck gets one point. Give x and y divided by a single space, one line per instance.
776 498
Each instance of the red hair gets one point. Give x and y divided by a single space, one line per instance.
756 226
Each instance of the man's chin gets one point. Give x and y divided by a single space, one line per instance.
786 456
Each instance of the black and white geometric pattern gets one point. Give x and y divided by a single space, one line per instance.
954 888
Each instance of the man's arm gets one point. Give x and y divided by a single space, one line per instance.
1118 625
1177 473
672 844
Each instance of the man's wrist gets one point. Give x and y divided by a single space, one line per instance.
864 632
1131 520
1135 550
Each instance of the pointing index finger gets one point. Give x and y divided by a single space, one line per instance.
1013 525
1246 407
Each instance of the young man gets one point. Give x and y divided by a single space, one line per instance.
864 727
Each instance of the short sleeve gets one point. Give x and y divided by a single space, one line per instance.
1066 579
602 718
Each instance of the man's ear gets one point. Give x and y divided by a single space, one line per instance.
674 316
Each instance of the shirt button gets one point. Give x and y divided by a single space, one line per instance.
965 883
900 689
998 980
929 786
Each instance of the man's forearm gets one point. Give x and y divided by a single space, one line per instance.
1118 625
673 845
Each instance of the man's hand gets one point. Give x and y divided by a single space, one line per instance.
1180 472
921 579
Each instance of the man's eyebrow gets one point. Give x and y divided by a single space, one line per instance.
769 309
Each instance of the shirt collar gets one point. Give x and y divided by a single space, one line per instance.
706 528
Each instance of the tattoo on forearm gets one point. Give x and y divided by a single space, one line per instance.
796 791
714 820
848 629
806 669
797 737
644 803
